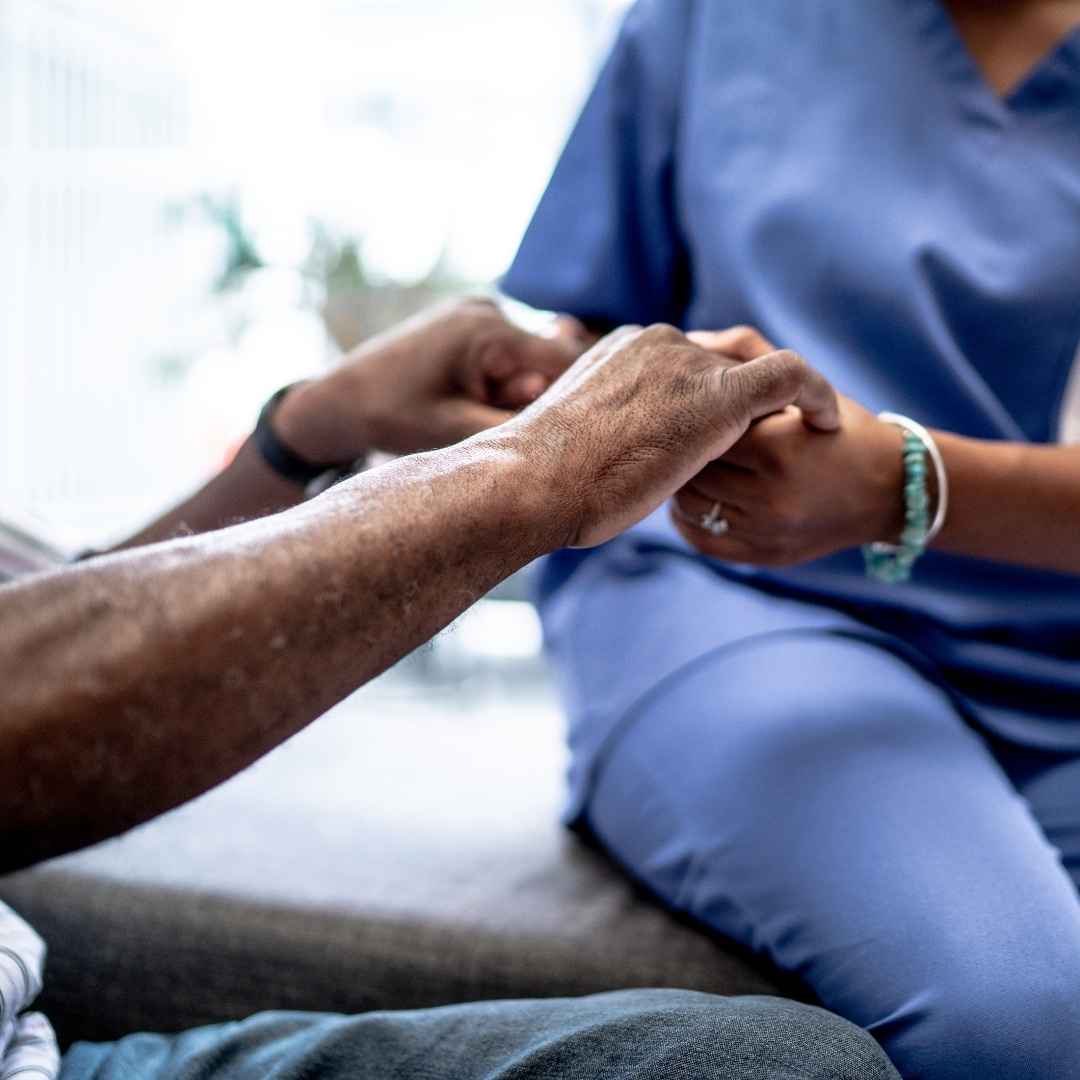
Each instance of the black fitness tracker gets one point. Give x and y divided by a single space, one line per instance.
288 464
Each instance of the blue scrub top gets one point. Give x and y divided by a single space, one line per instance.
841 176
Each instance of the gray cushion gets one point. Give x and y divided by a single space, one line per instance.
376 861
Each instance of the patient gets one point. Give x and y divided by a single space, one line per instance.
865 767
140 679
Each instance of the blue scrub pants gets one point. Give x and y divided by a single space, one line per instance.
817 798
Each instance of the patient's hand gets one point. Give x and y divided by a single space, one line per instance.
789 493
431 382
638 416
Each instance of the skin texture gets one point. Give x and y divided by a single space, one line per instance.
1008 38
792 495
409 389
139 679
438 378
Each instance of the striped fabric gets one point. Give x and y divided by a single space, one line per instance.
28 1047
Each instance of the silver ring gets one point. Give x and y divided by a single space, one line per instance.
714 521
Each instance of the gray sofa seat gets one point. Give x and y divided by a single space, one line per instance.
389 859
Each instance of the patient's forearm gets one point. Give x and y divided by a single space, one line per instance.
140 679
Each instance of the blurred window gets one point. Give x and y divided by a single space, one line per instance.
201 201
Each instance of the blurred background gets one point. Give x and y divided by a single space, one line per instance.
202 201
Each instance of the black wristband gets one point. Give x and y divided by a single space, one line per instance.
288 464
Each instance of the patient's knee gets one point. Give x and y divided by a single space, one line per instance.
761 1038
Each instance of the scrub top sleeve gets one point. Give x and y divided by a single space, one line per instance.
603 244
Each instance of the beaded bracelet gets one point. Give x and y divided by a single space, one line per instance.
893 563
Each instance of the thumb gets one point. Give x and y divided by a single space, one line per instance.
531 367
460 418
551 356
738 342
523 389
779 379
572 331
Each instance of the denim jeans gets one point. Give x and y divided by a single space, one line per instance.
627 1035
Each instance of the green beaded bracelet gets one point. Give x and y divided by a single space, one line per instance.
893 563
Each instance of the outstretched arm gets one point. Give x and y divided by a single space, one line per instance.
438 378
137 680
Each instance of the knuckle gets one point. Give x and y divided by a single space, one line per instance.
784 372
471 308
744 342
792 364
621 338
663 334
686 377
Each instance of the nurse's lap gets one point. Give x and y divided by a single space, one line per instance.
633 615
850 825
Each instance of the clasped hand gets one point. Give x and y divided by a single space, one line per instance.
791 493
789 490
435 380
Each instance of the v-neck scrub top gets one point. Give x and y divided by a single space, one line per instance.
841 176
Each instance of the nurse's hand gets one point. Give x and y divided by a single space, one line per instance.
788 493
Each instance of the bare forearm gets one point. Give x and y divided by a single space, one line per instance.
1013 503
248 488
141 679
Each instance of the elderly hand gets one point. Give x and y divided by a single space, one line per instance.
639 416
788 493
433 381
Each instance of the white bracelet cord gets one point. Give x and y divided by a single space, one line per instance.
934 454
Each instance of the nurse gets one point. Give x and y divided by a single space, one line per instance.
864 766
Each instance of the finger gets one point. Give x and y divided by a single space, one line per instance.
518 367
739 342
735 545
723 472
755 451
783 378
744 456
521 390
693 506
728 548
735 488
716 479
818 402
550 356
573 331
461 418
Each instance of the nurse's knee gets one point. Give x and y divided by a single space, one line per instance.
821 698
1021 1022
